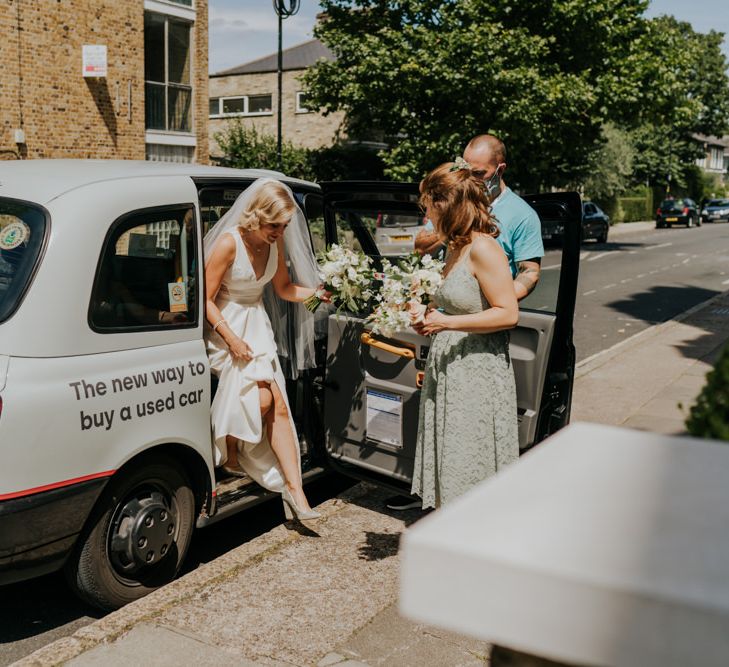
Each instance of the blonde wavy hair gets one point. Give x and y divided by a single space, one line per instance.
459 200
272 205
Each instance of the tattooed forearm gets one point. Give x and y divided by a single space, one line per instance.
527 278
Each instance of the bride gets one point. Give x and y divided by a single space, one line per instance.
253 430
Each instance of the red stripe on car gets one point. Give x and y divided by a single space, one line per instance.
55 485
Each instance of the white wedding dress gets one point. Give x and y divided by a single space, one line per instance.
236 409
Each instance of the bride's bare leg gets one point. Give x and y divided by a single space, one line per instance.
284 445
231 443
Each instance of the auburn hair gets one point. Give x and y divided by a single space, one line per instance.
460 204
272 204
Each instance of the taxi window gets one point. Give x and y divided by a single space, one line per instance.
314 210
216 201
146 278
22 230
554 217
393 232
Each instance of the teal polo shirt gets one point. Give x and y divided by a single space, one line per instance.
521 230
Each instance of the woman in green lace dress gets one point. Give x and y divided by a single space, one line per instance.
468 426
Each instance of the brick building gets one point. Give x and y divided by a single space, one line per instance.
152 102
248 92
715 160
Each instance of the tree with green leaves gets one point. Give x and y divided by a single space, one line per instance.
426 75
247 148
687 87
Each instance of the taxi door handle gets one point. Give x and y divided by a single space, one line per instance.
407 352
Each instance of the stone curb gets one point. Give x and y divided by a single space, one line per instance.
601 358
119 622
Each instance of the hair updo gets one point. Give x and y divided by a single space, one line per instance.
271 205
459 202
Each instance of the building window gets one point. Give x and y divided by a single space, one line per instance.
245 105
717 158
186 3
301 99
168 83
146 276
169 153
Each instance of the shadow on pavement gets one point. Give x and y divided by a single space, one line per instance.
31 608
708 346
379 546
661 303
209 543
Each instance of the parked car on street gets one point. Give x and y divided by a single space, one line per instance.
715 210
106 460
595 222
595 225
678 212
395 233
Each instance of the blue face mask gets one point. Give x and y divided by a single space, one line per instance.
492 185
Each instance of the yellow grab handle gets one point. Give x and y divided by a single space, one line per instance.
407 352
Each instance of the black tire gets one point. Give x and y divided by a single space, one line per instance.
106 575
603 236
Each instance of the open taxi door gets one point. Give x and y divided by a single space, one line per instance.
372 383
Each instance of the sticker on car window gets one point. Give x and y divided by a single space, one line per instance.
178 297
14 235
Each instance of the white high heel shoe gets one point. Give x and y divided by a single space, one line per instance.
291 509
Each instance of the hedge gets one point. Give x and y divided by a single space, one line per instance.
709 418
635 208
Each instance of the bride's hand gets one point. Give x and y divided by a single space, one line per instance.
323 294
240 350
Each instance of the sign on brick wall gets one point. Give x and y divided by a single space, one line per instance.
94 60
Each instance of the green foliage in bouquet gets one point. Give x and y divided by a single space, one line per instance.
709 418
347 276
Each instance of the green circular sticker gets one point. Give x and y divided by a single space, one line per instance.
13 235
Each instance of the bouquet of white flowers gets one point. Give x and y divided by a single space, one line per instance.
347 275
407 289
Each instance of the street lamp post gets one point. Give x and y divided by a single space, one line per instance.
283 9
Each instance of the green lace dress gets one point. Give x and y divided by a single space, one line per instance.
468 427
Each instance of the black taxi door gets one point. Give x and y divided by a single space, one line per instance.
372 384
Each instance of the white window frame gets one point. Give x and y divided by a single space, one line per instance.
245 113
171 8
167 84
717 158
299 108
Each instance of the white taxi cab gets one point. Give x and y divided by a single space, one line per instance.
106 463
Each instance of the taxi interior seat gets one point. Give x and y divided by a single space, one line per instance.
146 279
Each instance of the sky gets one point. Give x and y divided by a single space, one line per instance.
243 30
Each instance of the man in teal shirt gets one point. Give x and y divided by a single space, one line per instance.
521 231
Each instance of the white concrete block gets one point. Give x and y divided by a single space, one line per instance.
602 546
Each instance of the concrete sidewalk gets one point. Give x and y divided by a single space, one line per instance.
328 596
622 228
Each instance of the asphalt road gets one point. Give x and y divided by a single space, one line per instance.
640 280
625 286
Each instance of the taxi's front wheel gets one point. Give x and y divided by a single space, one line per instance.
137 536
